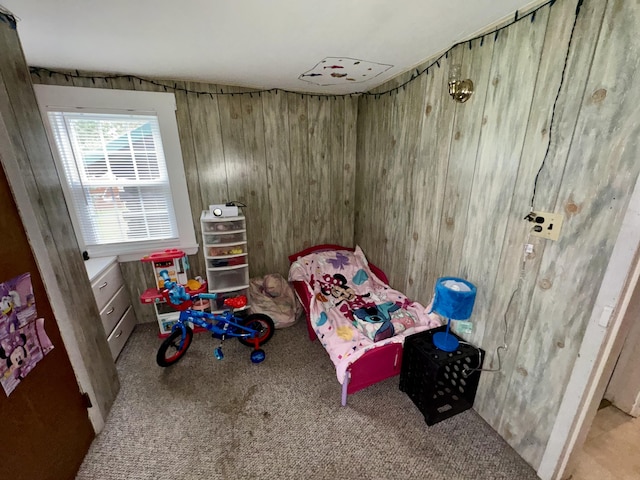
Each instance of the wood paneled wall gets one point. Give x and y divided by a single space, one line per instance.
442 189
289 158
438 188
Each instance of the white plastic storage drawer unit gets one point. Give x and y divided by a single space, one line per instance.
225 251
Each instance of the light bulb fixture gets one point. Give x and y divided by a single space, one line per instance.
460 90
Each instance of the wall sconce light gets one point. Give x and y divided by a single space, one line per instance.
460 90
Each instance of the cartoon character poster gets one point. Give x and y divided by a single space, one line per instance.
23 341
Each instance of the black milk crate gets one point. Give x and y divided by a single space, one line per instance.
433 378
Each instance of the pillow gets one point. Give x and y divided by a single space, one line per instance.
341 274
329 248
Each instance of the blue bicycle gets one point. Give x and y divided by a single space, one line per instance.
253 330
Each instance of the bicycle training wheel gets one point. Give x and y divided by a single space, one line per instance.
173 348
260 322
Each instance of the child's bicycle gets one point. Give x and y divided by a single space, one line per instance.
253 331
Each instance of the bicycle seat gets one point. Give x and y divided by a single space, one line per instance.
236 302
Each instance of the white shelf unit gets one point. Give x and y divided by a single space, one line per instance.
224 242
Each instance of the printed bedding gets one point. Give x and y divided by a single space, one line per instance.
352 310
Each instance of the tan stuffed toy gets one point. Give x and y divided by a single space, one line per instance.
273 296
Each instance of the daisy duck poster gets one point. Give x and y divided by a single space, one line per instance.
23 341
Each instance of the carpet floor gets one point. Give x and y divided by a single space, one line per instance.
282 419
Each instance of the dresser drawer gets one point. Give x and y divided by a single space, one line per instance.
106 285
119 335
113 310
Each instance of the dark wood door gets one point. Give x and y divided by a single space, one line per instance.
45 426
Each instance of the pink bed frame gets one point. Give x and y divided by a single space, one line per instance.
374 365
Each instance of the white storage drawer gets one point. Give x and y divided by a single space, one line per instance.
224 238
221 225
120 334
105 286
226 251
226 262
114 309
228 279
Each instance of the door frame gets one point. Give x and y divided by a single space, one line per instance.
623 388
601 345
56 298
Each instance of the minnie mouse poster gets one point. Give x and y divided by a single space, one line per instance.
23 341
13 351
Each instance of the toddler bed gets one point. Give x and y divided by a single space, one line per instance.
359 319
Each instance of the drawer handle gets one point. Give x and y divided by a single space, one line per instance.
111 310
118 334
103 285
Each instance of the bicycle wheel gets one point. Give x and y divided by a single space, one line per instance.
173 348
260 322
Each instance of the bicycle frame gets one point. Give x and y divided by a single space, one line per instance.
224 324
251 331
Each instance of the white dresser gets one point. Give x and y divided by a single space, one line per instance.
112 298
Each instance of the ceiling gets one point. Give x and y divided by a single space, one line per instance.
254 43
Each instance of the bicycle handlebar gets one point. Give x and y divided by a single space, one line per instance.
207 296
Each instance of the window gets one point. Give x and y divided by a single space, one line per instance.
119 156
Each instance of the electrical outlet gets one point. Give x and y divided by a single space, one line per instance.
546 225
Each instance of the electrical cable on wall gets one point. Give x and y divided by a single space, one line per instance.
235 203
555 104
7 17
505 346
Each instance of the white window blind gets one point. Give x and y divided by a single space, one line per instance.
116 175
119 158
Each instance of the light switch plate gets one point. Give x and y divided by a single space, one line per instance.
547 225
606 316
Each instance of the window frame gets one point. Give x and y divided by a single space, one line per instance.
95 100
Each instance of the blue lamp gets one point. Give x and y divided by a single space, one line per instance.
454 300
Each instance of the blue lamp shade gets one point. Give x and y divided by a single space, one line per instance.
454 300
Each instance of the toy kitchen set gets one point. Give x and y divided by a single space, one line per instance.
176 264
225 252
